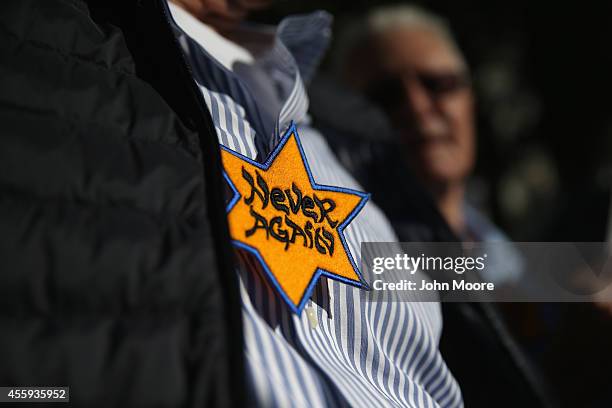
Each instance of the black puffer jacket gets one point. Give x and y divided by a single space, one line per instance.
115 266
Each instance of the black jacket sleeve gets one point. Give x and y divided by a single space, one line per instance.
109 281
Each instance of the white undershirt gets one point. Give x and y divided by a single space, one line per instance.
222 49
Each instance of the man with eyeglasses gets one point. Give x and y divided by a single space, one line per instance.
405 61
416 73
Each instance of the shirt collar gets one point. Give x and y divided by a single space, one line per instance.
298 44
480 227
306 37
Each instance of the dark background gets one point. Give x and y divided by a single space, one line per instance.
542 78
541 73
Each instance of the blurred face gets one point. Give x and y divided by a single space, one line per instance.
422 84
222 14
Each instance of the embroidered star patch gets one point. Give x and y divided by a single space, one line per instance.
293 225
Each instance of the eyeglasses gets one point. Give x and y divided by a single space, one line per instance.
390 92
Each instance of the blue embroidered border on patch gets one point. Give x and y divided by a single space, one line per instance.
362 284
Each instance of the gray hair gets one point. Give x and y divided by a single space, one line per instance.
390 17
409 16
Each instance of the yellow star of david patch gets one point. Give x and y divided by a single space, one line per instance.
292 225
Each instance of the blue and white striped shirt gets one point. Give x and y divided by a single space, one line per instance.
343 350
